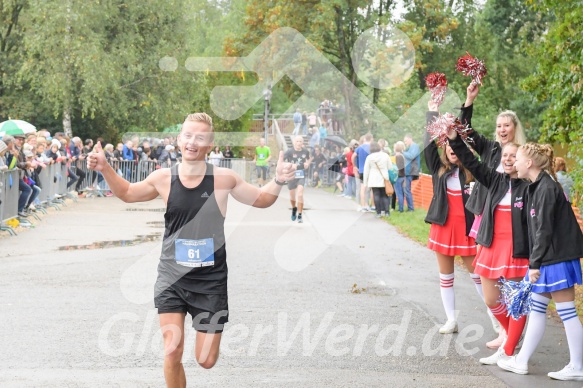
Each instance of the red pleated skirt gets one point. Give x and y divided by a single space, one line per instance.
497 260
450 239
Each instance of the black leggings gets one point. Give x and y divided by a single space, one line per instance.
381 200
81 174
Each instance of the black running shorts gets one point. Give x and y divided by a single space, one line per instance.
209 311
294 183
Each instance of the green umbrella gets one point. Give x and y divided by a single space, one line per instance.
16 127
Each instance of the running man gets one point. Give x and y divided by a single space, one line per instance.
300 158
262 158
192 272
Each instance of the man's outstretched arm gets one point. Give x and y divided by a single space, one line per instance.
124 190
266 196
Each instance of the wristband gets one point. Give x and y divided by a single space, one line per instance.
278 182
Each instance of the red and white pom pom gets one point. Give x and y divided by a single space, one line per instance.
440 127
437 84
472 67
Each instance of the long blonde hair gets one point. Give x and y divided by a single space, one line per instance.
519 136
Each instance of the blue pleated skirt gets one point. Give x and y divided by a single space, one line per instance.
558 276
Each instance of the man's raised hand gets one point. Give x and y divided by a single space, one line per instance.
96 160
284 171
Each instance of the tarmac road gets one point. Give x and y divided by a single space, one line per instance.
342 300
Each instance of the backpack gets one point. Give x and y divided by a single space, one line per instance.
394 173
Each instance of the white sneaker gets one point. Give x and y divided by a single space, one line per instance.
496 343
495 323
510 364
493 359
449 328
567 373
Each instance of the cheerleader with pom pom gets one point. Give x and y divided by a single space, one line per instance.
508 130
555 245
450 222
503 236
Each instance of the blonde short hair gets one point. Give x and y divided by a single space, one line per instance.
200 117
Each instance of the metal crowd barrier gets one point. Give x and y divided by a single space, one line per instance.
47 178
327 176
9 194
134 171
61 172
53 182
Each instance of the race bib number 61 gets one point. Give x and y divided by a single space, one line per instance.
195 253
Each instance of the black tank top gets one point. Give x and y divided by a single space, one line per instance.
193 250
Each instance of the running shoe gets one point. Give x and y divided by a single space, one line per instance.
449 328
493 359
511 365
567 373
294 212
300 220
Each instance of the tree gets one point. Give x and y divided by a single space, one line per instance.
558 79
100 59
11 35
503 31
332 26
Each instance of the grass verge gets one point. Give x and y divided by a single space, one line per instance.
411 224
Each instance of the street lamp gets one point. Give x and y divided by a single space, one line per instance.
266 98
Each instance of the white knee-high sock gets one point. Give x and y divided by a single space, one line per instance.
447 295
535 329
478 283
574 332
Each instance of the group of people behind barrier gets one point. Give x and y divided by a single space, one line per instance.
37 169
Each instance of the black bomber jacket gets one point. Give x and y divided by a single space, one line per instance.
553 232
490 152
497 185
439 207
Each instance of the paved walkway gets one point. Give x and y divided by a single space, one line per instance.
342 300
